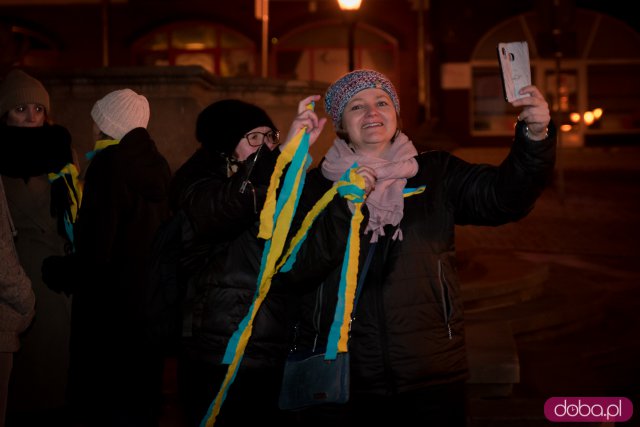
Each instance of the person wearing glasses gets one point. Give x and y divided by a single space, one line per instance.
221 188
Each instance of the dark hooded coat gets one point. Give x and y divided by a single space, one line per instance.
125 200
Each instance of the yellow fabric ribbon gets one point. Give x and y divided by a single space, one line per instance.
100 145
351 187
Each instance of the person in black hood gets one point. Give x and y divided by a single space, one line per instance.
222 189
115 376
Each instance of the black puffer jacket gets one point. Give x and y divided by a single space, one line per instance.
227 220
408 329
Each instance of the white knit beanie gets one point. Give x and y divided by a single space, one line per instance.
121 111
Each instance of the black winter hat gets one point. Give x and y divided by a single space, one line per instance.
221 125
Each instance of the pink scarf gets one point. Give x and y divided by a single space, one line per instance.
386 201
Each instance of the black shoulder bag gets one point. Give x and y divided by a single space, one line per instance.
309 379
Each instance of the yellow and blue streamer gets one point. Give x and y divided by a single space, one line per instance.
99 146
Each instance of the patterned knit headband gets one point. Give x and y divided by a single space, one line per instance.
342 90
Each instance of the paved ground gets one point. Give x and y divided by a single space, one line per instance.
585 230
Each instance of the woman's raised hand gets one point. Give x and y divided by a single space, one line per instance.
306 118
535 112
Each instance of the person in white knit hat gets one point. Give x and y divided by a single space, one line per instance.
119 112
115 375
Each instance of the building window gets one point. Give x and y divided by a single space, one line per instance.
27 48
491 113
616 91
594 92
219 50
319 52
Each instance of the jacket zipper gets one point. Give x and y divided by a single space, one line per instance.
376 289
444 292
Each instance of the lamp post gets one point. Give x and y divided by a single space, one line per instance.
350 7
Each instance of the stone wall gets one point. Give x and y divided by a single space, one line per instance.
176 95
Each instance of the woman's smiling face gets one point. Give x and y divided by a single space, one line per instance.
371 120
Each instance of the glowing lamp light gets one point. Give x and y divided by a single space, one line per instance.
194 46
588 118
566 128
574 117
349 4
597 113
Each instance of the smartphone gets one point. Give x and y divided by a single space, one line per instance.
515 68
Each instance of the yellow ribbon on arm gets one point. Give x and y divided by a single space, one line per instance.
74 190
275 222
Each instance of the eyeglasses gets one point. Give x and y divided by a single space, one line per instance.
256 139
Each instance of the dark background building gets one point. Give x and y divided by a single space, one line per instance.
441 54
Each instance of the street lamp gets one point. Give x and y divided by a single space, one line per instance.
350 7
